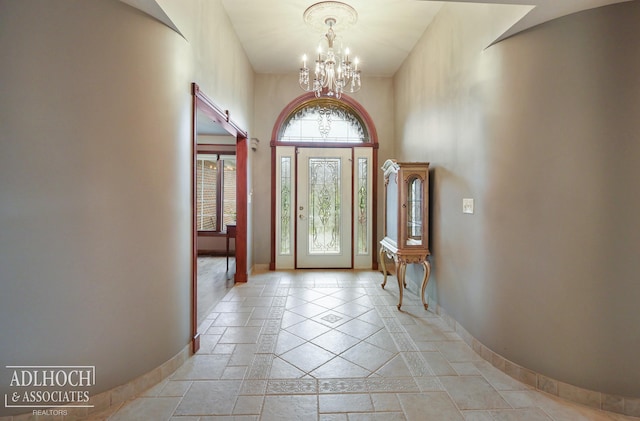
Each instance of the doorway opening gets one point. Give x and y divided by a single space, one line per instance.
218 195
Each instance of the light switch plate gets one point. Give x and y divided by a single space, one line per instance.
467 205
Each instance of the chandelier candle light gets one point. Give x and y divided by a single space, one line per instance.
334 72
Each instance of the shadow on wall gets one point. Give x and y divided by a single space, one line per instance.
439 246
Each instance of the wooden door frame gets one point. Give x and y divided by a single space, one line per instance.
201 102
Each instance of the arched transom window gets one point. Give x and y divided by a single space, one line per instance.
324 120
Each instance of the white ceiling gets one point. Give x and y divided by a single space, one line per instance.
275 37
207 126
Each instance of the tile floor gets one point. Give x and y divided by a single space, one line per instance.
214 281
331 345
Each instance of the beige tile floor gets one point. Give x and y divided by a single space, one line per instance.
331 345
213 282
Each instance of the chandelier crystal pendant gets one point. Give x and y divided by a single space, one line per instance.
334 72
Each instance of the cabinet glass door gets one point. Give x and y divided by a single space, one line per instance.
414 211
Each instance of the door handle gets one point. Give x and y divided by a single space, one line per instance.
301 216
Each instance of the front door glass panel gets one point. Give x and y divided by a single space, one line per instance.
414 211
324 206
323 223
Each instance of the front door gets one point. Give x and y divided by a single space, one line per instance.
324 208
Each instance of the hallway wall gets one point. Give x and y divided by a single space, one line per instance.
542 131
95 163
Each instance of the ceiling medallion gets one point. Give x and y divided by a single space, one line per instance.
317 14
334 73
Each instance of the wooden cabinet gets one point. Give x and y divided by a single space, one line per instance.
406 221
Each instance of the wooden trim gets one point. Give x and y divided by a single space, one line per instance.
272 263
212 234
353 203
215 253
242 155
195 337
320 145
295 210
216 113
374 210
210 149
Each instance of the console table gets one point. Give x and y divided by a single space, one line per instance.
401 259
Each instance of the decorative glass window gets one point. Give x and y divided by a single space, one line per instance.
324 120
324 208
285 189
362 210
285 205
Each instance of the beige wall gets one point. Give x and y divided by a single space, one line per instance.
273 93
220 66
95 171
542 131
221 69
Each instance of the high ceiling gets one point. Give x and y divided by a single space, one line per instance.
275 36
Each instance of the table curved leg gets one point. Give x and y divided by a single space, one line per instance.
384 268
402 271
425 281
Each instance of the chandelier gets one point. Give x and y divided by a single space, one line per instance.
334 72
